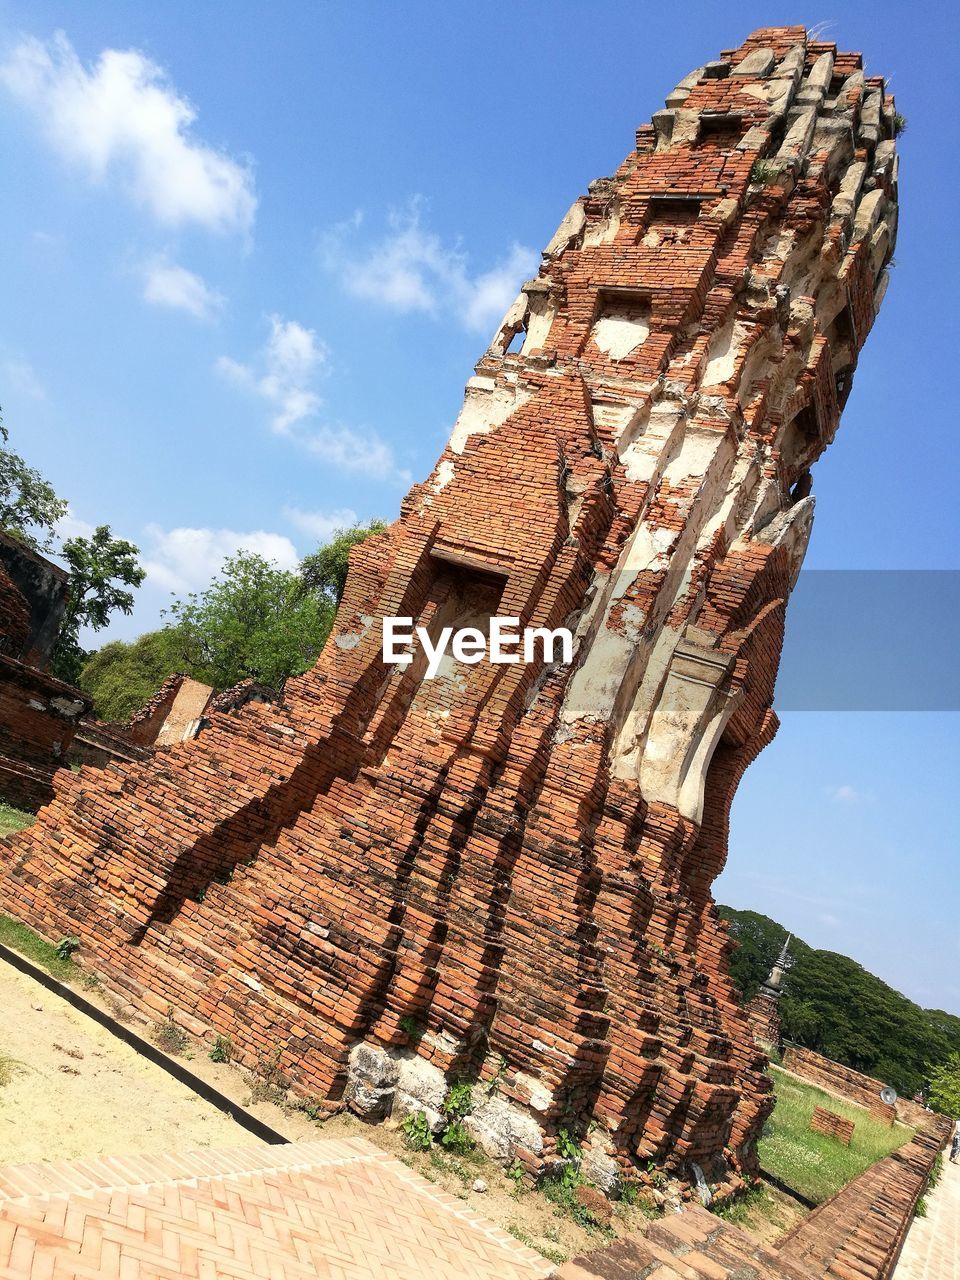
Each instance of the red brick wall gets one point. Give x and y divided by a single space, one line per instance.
861 1230
834 1126
38 718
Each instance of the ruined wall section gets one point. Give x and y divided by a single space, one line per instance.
38 713
504 873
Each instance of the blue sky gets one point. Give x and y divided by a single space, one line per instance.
250 254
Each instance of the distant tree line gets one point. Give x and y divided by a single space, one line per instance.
254 620
833 1005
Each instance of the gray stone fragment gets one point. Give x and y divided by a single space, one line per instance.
598 1166
759 63
499 1128
420 1085
371 1080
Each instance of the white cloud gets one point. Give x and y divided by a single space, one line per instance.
831 921
845 794
166 284
124 118
20 377
353 450
187 559
71 526
321 524
284 374
411 269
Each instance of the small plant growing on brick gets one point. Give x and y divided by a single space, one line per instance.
411 1027
170 1037
222 1050
516 1174
224 875
899 124
765 172
569 1152
66 947
416 1131
456 1138
269 1084
458 1101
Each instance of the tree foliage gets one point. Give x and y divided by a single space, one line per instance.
945 1086
121 677
29 506
253 621
102 568
326 569
833 1005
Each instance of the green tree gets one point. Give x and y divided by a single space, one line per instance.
254 620
29 507
945 1086
835 1006
759 941
326 569
121 677
102 568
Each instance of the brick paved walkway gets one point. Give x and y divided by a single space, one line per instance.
335 1210
932 1250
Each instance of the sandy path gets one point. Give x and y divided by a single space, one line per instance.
76 1090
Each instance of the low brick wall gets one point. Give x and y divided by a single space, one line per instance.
913 1114
38 718
860 1231
835 1078
834 1126
856 1235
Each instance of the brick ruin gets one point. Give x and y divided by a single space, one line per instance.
175 713
503 874
39 714
832 1125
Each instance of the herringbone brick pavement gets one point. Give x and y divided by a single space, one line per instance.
334 1210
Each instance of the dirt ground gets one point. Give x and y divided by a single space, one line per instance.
766 1214
76 1090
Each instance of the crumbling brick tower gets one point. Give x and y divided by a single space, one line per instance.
504 873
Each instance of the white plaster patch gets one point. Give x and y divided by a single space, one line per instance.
722 363
696 454
484 410
619 333
540 1096
540 319
603 231
444 474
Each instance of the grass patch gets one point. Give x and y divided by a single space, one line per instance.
18 937
12 819
812 1163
